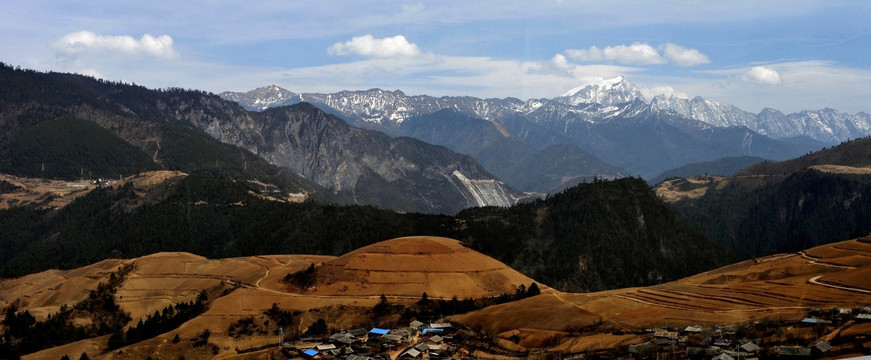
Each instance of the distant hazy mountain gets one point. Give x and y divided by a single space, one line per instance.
827 126
506 156
610 120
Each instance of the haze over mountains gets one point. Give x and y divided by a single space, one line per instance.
611 121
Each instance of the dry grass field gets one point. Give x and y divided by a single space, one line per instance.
842 169
690 188
46 193
782 286
401 269
58 193
410 266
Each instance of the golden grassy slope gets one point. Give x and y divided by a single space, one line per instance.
779 286
241 287
410 266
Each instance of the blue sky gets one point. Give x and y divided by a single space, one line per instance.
789 55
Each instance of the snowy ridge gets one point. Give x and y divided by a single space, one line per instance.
707 111
261 98
605 101
826 125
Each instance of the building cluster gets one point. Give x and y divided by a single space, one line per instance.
720 343
417 341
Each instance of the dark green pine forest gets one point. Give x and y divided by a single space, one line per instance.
594 236
789 211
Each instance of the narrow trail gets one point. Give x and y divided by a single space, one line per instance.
815 280
816 261
257 284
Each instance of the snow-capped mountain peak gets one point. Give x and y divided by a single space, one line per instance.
607 92
260 98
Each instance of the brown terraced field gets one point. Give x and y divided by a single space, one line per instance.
401 269
784 286
441 267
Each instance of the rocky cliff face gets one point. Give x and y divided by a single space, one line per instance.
365 166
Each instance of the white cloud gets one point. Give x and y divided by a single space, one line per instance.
682 56
636 53
799 85
650 93
367 45
560 61
86 41
641 54
762 75
440 75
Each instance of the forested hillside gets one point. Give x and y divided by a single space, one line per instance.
594 236
806 209
606 234
786 206
67 147
200 213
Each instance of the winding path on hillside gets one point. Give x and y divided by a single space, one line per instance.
817 261
815 280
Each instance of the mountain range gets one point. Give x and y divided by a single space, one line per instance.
300 149
610 121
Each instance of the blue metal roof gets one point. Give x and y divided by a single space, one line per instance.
429 330
379 331
310 352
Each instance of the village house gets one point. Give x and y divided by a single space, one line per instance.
750 347
410 353
793 352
